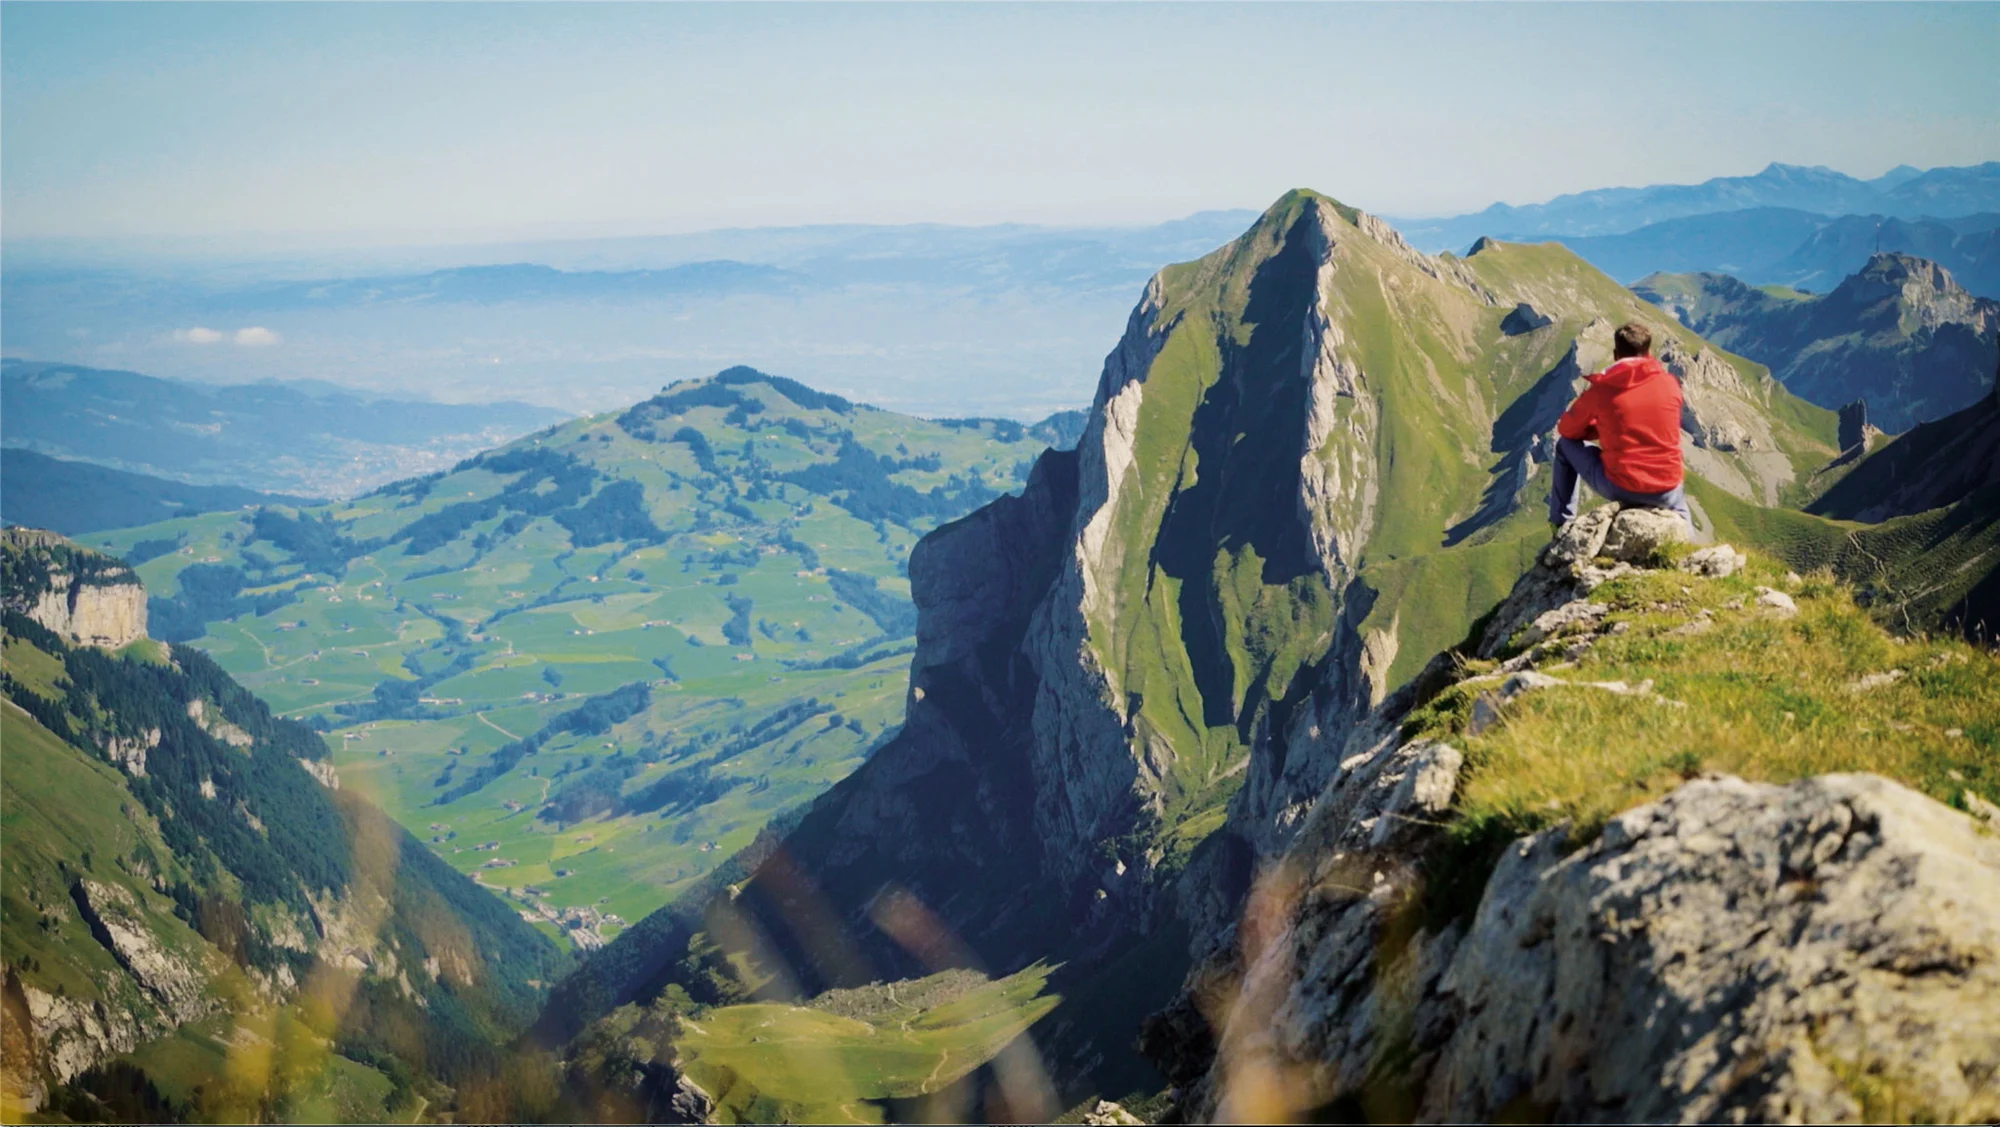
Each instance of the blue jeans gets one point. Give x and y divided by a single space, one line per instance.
1575 460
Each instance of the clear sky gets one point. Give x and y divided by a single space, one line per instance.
354 123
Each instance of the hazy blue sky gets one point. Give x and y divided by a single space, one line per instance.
374 122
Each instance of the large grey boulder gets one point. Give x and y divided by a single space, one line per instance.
1827 951
1824 951
1637 533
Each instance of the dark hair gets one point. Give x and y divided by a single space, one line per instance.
1631 339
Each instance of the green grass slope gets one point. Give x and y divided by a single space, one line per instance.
845 1056
1760 695
729 553
300 918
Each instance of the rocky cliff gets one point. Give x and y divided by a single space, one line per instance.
83 597
1733 951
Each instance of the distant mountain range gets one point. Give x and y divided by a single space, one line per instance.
1900 334
1903 192
1801 227
1783 246
76 497
275 437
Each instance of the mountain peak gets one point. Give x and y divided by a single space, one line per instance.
1913 282
1898 267
703 392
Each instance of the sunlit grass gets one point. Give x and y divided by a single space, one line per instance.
810 1064
1759 695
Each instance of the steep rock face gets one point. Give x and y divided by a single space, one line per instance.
1139 692
1900 333
175 983
946 808
97 602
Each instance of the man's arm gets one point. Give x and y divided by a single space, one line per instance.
1580 421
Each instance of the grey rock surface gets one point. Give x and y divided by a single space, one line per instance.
1636 533
1826 951
1718 561
1753 952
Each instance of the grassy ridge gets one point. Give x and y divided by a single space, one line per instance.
1762 696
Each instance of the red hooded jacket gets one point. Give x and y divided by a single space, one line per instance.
1633 410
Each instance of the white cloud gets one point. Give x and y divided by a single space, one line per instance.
197 335
255 336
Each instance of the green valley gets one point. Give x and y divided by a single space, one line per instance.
196 923
588 666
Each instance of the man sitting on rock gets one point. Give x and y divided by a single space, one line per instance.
1633 411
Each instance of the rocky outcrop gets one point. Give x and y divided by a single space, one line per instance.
112 615
72 1034
1755 952
217 725
323 771
129 752
1713 402
83 597
1855 431
1599 545
114 916
1934 465
154 991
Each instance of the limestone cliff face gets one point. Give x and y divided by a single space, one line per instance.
110 615
946 808
83 597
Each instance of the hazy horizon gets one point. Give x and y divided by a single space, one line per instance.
336 126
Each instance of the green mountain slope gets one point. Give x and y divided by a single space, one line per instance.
1315 459
178 875
1900 334
78 497
588 666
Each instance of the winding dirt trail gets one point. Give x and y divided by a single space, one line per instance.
496 727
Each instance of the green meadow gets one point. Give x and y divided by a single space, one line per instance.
840 1058
736 548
